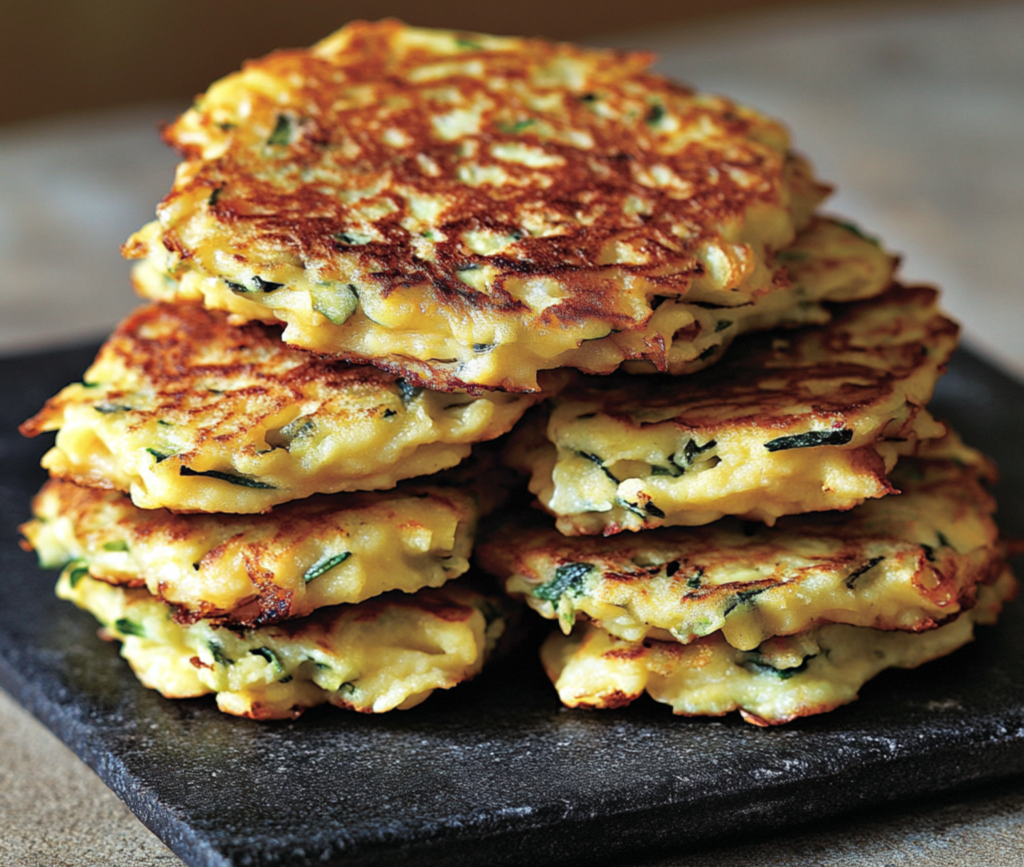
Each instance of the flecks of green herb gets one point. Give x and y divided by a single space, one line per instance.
757 665
674 471
852 227
76 573
468 44
282 133
336 302
160 456
653 510
517 127
811 439
568 579
588 97
231 479
867 567
266 286
632 508
214 196
741 598
90 385
694 581
691 450
722 324
350 239
271 657
129 627
163 423
655 114
598 461
217 651
238 288
325 565
298 428
943 540
406 391
119 546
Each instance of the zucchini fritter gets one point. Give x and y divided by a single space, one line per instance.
187 412
905 562
805 421
782 679
467 210
389 652
253 570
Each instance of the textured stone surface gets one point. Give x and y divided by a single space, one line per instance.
56 812
496 768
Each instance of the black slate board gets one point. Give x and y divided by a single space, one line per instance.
496 770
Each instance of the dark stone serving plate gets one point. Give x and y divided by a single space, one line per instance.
496 771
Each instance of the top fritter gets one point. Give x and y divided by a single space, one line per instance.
467 210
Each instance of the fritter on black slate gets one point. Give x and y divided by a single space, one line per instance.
390 652
782 679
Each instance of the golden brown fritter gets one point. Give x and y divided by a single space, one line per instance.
906 562
187 412
789 423
251 570
782 679
389 652
467 210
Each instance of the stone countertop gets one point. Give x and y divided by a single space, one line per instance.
917 115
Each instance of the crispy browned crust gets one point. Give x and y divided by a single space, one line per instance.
628 177
186 355
291 526
689 563
758 385
587 192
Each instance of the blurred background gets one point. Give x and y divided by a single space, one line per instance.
915 110
75 55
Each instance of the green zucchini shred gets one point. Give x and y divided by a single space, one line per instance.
283 131
325 565
231 479
568 579
810 439
129 627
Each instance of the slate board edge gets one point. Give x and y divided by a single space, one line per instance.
595 839
172 829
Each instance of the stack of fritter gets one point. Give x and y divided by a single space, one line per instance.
390 246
